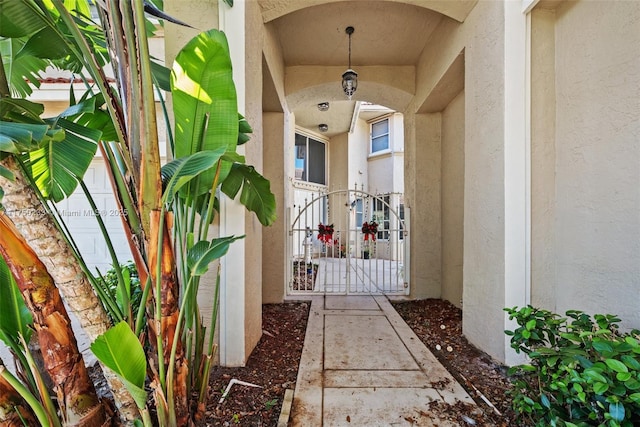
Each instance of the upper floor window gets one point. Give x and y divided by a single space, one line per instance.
310 160
380 136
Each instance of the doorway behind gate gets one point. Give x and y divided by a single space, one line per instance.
349 242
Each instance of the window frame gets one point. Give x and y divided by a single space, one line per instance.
387 135
306 152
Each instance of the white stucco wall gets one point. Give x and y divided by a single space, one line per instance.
597 227
381 173
386 169
358 153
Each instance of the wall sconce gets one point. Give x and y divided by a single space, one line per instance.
323 127
349 77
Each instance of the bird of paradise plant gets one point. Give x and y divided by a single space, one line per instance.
168 208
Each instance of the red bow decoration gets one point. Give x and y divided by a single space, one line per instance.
325 233
370 228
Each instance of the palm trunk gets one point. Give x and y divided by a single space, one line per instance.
170 297
26 212
76 393
13 408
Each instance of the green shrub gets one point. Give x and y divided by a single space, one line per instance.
131 282
582 370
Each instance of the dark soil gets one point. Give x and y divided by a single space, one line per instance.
438 324
274 365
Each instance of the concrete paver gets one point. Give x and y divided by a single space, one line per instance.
362 365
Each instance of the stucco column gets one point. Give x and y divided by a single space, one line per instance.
496 190
425 251
232 213
517 160
274 245
206 15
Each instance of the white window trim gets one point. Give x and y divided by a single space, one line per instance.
387 150
320 138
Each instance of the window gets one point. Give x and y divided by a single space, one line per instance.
381 216
380 136
359 213
310 160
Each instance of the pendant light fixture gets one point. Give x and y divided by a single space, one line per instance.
349 77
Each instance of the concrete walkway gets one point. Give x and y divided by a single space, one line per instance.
362 365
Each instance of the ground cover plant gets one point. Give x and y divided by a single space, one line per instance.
582 372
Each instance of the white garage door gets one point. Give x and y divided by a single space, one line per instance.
81 220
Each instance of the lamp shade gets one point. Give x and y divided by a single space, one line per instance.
349 82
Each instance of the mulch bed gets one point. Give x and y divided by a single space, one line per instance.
274 365
438 324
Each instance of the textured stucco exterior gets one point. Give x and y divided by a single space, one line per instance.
426 230
521 148
339 155
453 200
273 263
521 151
484 251
358 153
592 142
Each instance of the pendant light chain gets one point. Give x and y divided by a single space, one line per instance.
350 77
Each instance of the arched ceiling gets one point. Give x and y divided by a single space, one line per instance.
389 35
454 9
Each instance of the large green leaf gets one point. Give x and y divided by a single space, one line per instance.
57 166
119 350
15 317
6 173
256 192
243 129
21 72
21 111
16 138
89 112
45 44
204 253
204 100
19 18
180 171
161 75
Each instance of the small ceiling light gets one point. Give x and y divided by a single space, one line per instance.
323 127
323 106
349 77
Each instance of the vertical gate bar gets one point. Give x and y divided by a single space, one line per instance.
309 246
395 260
406 256
346 271
312 248
289 261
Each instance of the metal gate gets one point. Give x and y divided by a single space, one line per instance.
349 242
